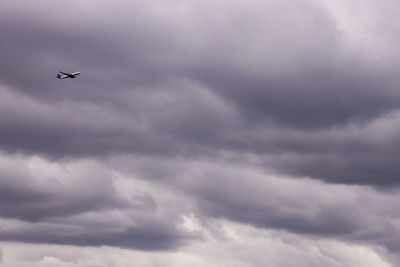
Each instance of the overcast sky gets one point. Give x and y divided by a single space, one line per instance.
200 133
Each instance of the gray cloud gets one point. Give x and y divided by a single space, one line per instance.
78 204
157 85
302 207
290 88
23 202
235 192
151 236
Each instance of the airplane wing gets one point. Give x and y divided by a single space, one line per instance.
64 73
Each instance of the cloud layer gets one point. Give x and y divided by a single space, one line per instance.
194 122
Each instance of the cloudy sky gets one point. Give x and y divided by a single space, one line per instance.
200 133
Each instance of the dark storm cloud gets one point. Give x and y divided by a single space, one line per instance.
247 196
234 191
78 204
80 129
334 221
360 153
151 236
319 99
25 196
266 85
245 81
355 214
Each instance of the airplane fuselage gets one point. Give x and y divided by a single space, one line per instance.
67 75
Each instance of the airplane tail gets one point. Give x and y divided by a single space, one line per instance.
58 76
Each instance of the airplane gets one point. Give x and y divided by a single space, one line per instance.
67 75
